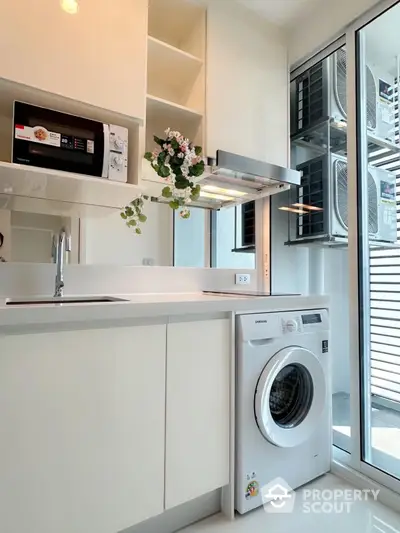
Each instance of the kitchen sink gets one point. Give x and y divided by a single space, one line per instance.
51 300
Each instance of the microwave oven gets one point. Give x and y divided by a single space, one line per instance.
54 140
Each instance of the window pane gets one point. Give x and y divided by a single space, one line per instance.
233 232
379 198
310 223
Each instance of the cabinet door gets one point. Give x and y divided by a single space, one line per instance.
247 85
197 430
82 430
97 56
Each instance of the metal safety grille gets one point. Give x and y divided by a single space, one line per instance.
309 105
311 193
249 224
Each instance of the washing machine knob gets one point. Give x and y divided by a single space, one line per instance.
291 326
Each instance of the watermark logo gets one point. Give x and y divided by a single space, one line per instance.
278 497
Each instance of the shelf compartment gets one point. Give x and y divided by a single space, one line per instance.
24 185
332 135
160 106
163 114
173 74
337 242
180 23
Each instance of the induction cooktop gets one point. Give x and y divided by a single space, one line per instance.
250 293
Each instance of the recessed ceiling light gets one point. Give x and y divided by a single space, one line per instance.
70 6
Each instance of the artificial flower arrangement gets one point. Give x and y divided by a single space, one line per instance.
178 162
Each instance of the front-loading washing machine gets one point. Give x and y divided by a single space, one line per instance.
283 402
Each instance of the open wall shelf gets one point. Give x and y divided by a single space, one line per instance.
159 106
175 74
185 28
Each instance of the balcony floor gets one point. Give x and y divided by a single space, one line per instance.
385 434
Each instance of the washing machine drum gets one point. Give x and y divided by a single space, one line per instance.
290 397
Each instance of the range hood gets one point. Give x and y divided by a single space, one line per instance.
232 179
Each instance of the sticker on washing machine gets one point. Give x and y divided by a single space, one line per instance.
325 347
252 489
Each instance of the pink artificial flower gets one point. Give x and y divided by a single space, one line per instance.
183 148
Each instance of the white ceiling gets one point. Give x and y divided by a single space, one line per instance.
281 12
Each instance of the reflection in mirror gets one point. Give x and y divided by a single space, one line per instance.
191 239
107 239
28 237
220 239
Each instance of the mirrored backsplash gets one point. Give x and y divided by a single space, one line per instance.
220 239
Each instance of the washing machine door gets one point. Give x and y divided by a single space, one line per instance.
290 397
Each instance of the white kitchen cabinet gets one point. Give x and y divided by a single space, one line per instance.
197 421
247 85
97 56
82 429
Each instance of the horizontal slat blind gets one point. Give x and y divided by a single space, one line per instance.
385 295
385 311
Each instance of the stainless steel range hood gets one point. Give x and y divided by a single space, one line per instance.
232 179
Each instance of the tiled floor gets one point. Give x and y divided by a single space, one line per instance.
360 517
385 435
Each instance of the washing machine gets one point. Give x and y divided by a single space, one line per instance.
283 403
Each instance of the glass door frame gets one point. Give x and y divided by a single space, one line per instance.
359 246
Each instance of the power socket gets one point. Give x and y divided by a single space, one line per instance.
242 279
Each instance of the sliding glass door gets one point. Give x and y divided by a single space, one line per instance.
377 52
345 222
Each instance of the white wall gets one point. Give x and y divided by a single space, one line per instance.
108 240
326 21
247 78
336 273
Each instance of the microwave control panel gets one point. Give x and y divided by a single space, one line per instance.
118 161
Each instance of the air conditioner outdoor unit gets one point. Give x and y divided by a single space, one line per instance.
321 92
322 196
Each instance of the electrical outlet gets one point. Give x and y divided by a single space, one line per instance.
242 279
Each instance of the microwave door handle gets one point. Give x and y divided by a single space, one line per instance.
106 153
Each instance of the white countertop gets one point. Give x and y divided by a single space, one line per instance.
149 305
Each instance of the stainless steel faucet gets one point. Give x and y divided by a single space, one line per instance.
61 244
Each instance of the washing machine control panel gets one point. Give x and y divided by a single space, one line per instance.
261 326
307 321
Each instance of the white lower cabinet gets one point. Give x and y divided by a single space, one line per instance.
82 417
197 422
83 442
